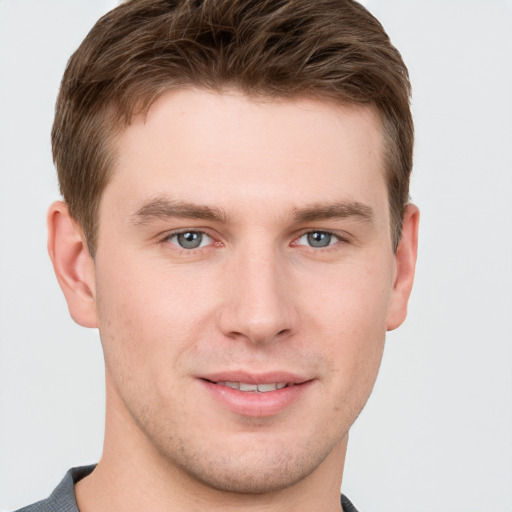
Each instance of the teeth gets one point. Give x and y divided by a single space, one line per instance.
248 387
233 385
261 388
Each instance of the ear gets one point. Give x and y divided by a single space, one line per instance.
72 264
405 264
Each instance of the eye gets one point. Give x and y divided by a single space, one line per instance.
190 239
318 239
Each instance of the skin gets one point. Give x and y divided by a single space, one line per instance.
255 180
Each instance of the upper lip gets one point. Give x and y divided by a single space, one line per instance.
255 378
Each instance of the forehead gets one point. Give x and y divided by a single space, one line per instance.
225 149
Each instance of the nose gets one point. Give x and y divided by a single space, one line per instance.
259 298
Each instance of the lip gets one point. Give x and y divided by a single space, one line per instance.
256 404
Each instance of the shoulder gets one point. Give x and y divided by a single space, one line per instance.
347 505
62 499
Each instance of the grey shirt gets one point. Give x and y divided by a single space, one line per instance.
63 499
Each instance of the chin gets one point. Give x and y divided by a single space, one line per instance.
255 471
233 477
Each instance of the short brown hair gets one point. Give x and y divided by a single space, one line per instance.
328 49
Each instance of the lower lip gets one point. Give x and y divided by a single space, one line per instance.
256 404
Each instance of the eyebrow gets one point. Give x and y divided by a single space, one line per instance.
339 210
164 208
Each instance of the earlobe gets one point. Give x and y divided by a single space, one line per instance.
72 264
405 261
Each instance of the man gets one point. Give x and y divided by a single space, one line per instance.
236 223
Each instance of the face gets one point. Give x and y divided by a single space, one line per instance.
244 282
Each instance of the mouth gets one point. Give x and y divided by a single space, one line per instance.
256 396
253 388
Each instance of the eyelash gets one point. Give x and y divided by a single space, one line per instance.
338 239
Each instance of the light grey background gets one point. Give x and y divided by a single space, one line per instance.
437 432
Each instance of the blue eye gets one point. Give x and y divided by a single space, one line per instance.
190 239
318 239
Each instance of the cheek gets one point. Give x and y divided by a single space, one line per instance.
352 299
148 317
348 310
